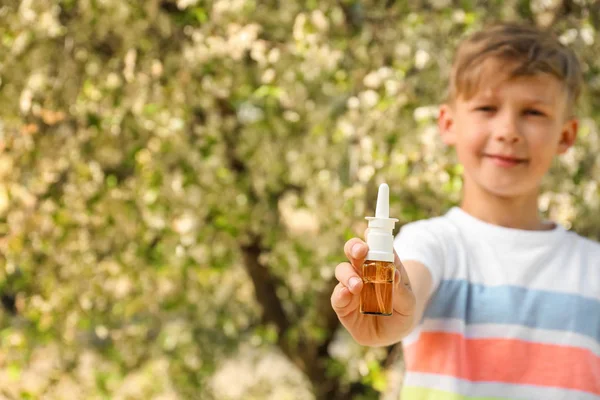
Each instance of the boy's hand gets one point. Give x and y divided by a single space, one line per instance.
371 330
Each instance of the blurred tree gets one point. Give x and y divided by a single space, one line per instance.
179 177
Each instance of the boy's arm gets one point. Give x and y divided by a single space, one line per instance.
421 281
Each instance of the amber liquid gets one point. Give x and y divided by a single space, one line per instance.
378 288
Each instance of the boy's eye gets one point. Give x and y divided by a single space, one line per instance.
533 111
486 108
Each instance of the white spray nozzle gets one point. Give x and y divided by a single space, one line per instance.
383 202
379 237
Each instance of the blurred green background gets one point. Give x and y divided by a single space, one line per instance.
178 179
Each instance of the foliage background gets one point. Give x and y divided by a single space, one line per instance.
178 179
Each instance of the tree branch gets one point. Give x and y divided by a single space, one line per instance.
395 353
353 14
308 355
564 9
329 320
264 286
595 14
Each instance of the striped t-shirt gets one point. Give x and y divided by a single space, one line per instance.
513 314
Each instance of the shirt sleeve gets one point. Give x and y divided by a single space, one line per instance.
417 241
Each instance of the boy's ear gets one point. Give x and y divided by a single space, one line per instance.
567 135
446 124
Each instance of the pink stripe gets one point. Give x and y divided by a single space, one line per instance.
505 360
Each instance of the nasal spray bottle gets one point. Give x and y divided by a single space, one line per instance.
378 269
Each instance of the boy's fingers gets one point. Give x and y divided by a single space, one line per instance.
356 250
346 274
342 300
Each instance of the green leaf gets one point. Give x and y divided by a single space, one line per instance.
14 372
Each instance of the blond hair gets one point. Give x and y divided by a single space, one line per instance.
527 50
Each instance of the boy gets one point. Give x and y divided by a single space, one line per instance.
491 300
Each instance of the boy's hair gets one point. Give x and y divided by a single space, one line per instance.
528 49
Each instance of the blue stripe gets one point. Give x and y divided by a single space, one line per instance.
480 304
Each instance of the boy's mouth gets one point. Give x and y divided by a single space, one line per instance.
505 160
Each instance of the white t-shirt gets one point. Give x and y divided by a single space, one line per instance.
513 313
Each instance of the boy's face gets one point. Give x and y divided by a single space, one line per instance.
507 134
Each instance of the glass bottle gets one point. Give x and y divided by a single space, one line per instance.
378 287
376 297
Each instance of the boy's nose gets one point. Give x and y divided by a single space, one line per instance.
508 130
508 136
